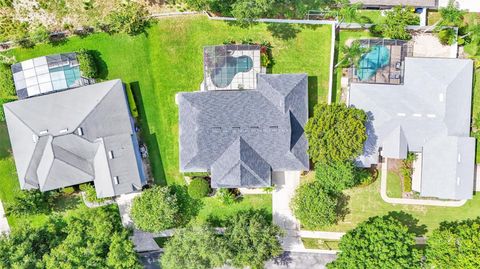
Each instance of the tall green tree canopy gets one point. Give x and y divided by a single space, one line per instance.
379 242
246 11
313 206
252 239
194 248
455 245
396 22
336 133
131 18
352 54
451 15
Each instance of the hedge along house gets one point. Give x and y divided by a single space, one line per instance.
75 136
47 74
428 114
240 136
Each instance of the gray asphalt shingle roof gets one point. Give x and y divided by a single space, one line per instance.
64 138
433 103
241 136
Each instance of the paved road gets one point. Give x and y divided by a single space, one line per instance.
290 260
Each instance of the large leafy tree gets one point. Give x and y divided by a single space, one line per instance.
379 242
194 248
313 206
31 202
252 239
131 18
246 11
336 176
450 15
121 254
336 133
396 22
455 245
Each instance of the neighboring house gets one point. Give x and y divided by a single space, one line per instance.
75 136
392 3
469 5
47 74
241 136
429 114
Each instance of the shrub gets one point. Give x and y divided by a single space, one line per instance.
68 190
90 193
196 174
161 208
198 188
33 201
131 101
88 65
336 176
131 18
7 87
313 206
447 36
225 196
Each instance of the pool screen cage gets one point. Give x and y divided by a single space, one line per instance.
390 72
231 67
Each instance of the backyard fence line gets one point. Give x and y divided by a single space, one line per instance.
174 14
308 22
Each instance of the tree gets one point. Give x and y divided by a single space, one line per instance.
11 29
246 11
7 86
121 254
450 15
336 176
455 244
252 239
352 54
345 11
313 206
336 133
88 65
379 242
447 36
198 188
130 18
161 208
31 202
194 248
396 22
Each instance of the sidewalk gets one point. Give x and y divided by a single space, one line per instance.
402 201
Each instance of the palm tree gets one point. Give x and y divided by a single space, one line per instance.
346 12
451 15
352 54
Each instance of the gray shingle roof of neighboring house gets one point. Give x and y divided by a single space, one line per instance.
76 136
241 136
430 109
391 3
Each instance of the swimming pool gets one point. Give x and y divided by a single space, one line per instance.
223 76
71 73
377 58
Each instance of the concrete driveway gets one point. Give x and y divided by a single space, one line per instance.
285 185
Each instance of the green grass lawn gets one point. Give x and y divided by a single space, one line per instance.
316 243
217 213
394 185
168 59
366 202
476 107
342 38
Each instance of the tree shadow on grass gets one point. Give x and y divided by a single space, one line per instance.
342 209
156 163
64 203
100 63
189 206
284 31
312 93
5 149
409 221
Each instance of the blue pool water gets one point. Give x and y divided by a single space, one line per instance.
223 76
378 57
72 73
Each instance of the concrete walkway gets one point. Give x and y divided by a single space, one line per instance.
402 201
285 185
4 227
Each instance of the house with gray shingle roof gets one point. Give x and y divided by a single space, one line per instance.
429 114
75 136
241 136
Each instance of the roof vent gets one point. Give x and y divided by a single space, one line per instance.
236 128
459 158
217 129
440 97
63 131
273 127
110 154
458 181
34 138
44 132
401 114
417 115
431 115
115 180
80 131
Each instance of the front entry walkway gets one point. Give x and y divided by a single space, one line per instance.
402 201
285 185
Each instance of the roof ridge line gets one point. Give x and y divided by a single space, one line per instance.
50 169
76 155
22 121
251 170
